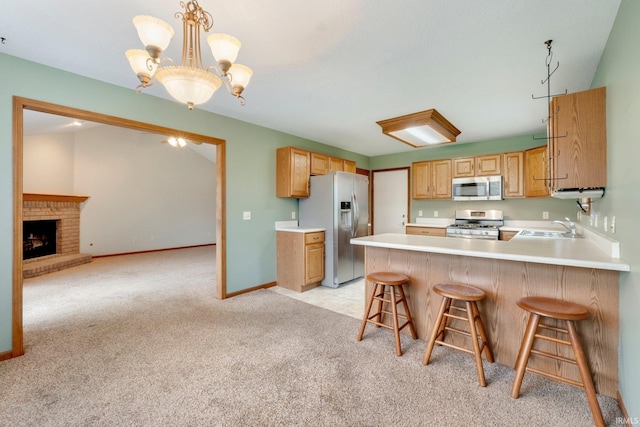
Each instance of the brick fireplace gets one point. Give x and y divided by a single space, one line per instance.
64 213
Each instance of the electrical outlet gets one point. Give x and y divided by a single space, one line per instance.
579 216
435 214
293 214
419 213
246 215
545 215
613 224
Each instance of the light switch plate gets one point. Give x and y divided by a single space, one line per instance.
246 215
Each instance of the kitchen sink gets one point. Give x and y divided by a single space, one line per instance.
546 234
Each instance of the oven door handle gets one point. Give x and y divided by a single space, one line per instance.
467 236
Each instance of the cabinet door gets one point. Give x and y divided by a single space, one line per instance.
488 165
536 172
464 166
349 166
420 180
314 263
319 164
335 164
441 179
292 172
579 140
513 172
300 170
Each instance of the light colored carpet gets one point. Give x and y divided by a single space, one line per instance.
140 340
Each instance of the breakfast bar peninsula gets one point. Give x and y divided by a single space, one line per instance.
583 270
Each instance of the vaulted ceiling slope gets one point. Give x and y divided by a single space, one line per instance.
328 70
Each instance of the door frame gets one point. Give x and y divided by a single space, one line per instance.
408 169
19 105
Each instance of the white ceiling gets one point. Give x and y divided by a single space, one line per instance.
328 70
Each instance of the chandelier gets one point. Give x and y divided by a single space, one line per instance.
190 82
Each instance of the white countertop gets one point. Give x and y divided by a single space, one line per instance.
571 252
300 229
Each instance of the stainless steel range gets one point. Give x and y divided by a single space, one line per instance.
474 224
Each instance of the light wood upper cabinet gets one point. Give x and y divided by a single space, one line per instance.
421 180
513 173
292 172
578 143
463 167
536 165
431 179
319 164
349 166
335 164
487 165
441 181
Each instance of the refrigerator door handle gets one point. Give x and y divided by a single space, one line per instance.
355 215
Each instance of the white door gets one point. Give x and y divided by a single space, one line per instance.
390 200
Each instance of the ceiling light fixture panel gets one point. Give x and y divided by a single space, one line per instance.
420 129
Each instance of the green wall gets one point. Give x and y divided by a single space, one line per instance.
520 209
619 71
250 166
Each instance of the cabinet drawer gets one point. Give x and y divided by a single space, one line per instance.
316 237
426 231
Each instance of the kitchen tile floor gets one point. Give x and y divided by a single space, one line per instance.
347 299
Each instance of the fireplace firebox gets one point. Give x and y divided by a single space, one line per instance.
39 238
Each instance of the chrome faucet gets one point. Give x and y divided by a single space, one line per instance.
570 228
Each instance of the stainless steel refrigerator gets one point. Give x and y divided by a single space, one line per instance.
339 203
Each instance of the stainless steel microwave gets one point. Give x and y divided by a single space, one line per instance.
477 188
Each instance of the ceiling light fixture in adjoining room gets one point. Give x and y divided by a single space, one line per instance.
190 82
420 129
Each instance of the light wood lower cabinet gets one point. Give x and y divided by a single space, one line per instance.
507 235
300 259
426 231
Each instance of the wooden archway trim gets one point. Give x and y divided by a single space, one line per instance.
19 105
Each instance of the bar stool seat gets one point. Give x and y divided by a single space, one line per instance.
394 282
569 312
469 295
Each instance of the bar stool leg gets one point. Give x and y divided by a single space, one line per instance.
585 374
379 310
474 341
523 354
438 326
407 313
396 327
483 332
367 311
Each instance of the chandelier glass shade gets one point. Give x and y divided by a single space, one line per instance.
190 82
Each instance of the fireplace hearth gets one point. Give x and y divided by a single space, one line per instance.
39 238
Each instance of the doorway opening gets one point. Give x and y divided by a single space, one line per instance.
22 104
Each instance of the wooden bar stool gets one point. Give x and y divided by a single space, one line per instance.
395 282
469 295
568 312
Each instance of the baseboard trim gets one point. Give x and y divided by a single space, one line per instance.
255 288
152 250
625 414
6 355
